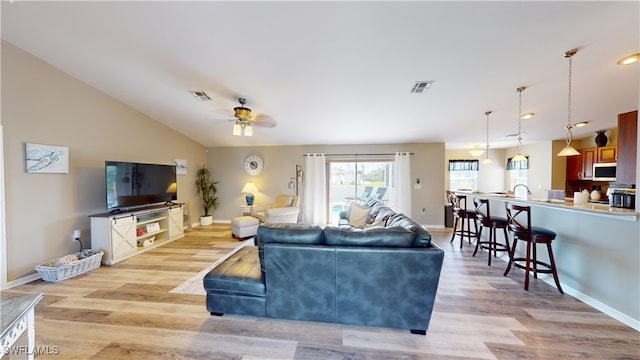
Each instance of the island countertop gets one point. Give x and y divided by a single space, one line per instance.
596 250
567 204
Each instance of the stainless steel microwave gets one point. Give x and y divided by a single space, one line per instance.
604 171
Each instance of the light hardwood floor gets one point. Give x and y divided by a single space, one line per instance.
126 311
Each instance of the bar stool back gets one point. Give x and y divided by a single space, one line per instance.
484 218
519 224
461 214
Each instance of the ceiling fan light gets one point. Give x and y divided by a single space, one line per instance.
237 129
476 152
568 151
487 161
248 130
242 112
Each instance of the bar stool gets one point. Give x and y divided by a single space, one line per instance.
460 213
484 218
519 223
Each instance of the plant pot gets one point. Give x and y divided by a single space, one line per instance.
206 220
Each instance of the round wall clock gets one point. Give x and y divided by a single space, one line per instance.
253 164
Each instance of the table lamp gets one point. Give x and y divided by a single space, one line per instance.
248 189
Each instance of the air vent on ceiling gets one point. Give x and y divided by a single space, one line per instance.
421 87
200 95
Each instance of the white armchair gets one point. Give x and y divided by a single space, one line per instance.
283 210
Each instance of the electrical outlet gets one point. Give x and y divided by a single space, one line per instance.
76 235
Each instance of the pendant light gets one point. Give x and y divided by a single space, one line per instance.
486 160
519 156
569 150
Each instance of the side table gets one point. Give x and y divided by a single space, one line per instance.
16 318
245 210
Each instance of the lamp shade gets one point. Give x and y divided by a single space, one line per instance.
568 151
476 152
237 129
519 157
250 188
248 130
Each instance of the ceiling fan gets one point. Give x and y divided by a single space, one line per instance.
244 121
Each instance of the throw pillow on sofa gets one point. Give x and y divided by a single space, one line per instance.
359 215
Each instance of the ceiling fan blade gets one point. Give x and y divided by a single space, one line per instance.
264 121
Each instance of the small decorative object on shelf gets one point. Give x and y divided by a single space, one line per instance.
601 138
70 265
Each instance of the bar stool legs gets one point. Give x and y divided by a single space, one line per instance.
523 231
483 216
492 245
531 263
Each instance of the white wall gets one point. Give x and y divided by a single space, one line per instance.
226 164
43 105
491 177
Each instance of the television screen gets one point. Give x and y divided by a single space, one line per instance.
130 185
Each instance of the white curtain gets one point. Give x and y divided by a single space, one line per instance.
314 209
403 183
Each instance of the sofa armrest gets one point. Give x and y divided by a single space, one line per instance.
281 215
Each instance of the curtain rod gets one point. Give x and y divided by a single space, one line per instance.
356 154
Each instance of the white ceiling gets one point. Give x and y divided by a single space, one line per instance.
341 72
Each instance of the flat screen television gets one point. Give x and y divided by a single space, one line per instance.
131 185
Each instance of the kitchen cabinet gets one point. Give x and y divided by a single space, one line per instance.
607 154
574 167
627 147
589 157
580 167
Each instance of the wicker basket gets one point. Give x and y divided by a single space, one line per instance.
53 271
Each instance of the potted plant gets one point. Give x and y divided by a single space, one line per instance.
207 189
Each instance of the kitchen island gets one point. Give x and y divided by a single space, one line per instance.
597 251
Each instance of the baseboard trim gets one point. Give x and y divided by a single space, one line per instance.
23 280
596 304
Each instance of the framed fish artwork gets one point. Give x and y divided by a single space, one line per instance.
42 158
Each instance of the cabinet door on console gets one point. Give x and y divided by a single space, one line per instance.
123 237
176 222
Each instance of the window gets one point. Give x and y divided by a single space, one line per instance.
463 174
351 180
518 171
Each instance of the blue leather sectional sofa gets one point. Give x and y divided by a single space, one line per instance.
386 275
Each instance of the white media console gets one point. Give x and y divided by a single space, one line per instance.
130 233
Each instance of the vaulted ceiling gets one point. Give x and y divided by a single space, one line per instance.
342 72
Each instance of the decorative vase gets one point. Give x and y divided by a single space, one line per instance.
601 138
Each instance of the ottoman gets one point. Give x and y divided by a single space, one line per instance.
244 226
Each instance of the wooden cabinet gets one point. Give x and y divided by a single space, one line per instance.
574 167
607 154
627 147
580 167
589 157
122 236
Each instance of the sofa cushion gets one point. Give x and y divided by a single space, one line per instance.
239 274
382 213
287 234
358 215
373 237
422 236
